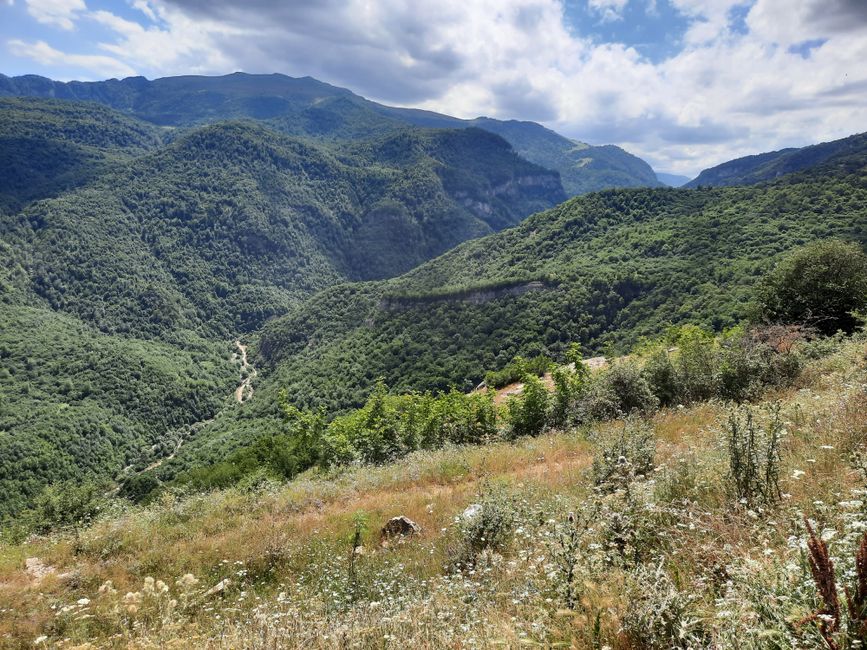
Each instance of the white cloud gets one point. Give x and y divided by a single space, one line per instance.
729 92
44 54
60 13
608 9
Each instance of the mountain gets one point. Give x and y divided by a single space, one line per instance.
132 257
605 269
307 107
771 165
48 147
672 180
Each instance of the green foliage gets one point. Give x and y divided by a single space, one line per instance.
822 285
516 369
754 457
620 390
71 504
528 413
629 264
75 402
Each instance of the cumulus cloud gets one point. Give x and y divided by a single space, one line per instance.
751 75
43 53
60 13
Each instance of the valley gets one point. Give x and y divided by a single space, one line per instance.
245 320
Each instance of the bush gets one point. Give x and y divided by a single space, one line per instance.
528 413
822 285
569 387
71 504
622 457
516 370
661 378
485 526
697 364
621 390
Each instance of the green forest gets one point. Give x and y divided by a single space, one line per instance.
386 258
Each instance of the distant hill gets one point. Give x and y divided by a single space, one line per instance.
49 146
771 165
132 255
307 107
672 180
604 269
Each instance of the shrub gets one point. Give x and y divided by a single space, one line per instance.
528 413
569 387
823 285
516 370
624 456
72 504
485 526
697 364
661 377
748 364
620 390
754 457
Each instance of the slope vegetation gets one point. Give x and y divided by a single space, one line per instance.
771 165
311 108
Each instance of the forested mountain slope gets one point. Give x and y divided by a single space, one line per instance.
232 223
307 107
771 165
609 267
131 256
48 146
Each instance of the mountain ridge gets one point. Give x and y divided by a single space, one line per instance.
190 100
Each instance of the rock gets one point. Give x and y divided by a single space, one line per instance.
471 511
37 569
221 586
399 527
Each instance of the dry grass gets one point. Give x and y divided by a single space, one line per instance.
284 549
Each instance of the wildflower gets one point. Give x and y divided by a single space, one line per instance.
148 585
187 581
162 587
107 588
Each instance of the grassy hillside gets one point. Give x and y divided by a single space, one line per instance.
310 108
556 553
771 165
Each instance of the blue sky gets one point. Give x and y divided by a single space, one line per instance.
683 83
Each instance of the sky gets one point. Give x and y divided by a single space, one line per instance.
685 84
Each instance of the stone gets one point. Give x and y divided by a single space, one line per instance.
399 527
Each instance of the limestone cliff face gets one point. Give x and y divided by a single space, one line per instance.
470 296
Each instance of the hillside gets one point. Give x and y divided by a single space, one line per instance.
771 165
233 223
307 107
48 147
605 269
132 257
541 541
